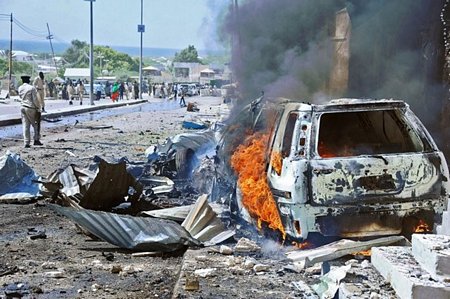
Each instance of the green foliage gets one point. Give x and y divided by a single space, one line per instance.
217 59
105 58
18 68
189 54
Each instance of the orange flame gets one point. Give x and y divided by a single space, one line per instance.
248 161
422 227
277 162
367 252
302 245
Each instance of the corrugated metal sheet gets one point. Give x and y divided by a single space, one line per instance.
97 190
135 233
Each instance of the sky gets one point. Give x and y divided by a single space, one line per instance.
171 24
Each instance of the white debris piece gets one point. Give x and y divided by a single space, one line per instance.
246 245
226 250
433 254
398 266
205 272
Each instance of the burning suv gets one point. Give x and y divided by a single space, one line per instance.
349 168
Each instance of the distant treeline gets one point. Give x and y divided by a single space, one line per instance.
59 48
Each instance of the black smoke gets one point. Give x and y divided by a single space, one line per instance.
285 48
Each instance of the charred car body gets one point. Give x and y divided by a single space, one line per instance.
353 168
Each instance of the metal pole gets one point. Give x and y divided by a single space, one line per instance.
140 58
91 57
10 57
50 37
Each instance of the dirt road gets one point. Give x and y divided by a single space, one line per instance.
42 254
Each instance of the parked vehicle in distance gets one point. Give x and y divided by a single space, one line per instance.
87 90
189 89
193 90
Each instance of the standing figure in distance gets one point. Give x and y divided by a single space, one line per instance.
38 83
70 92
30 111
136 90
80 88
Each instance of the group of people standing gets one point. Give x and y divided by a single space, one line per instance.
74 91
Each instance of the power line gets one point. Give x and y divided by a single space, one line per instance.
36 33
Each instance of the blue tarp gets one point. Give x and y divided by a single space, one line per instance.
193 125
17 178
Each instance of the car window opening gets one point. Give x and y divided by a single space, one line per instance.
288 134
347 134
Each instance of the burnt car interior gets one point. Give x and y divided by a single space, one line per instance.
344 134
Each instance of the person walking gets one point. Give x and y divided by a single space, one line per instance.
98 92
182 102
108 89
30 111
80 88
38 83
121 90
70 92
136 90
115 92
128 90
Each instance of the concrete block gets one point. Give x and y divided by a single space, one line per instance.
445 226
433 254
398 266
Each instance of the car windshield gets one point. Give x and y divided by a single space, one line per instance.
345 134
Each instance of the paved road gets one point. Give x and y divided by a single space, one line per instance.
10 108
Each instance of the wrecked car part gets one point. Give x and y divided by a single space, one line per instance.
104 187
179 213
18 182
164 185
178 156
134 233
370 159
204 225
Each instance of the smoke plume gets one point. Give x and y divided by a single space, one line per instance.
285 48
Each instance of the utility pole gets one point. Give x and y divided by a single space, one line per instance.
91 55
50 37
10 56
141 29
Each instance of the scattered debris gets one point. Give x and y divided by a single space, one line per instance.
135 233
193 125
338 249
102 188
192 107
205 272
204 225
223 249
246 245
329 283
19 181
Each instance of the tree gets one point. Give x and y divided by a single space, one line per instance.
189 54
104 58
77 55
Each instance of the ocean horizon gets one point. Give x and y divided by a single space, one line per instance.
59 48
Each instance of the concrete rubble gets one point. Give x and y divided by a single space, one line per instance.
407 269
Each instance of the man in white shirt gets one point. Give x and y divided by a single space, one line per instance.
38 83
30 111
